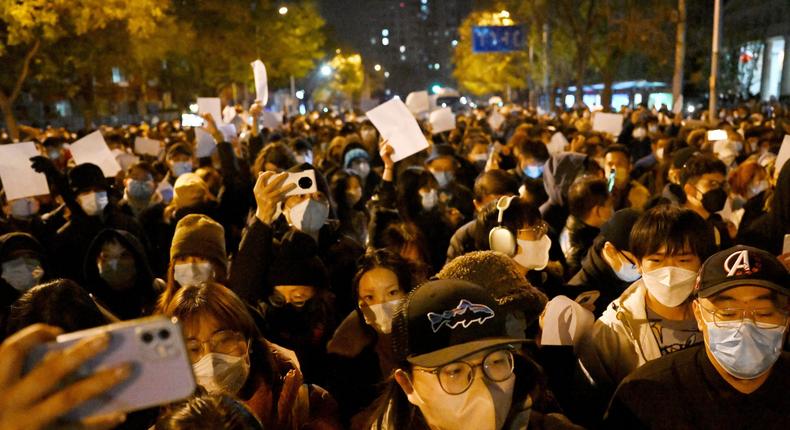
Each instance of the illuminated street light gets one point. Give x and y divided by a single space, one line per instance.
504 14
385 41
326 70
402 48
377 67
386 74
283 10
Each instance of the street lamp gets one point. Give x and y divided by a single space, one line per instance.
326 70
283 10
377 67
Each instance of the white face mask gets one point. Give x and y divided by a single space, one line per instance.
380 316
22 273
24 208
443 178
429 199
222 373
660 153
484 406
309 215
362 169
639 133
93 203
533 254
193 273
670 285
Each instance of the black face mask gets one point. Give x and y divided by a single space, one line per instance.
714 200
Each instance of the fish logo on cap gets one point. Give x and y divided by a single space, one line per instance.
464 315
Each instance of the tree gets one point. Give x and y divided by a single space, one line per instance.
348 76
27 27
485 73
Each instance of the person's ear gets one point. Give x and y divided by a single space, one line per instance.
403 380
697 315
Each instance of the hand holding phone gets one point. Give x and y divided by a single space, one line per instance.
145 359
40 396
612 176
304 181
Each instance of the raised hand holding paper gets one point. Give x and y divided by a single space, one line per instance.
93 149
442 120
261 84
611 123
783 156
19 178
397 125
210 105
495 120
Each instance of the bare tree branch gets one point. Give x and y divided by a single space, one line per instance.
20 80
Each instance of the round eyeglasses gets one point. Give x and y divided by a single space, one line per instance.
224 342
457 377
762 318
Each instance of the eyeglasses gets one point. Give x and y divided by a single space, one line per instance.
224 342
763 318
535 232
456 377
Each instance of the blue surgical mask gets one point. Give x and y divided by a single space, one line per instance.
533 172
628 272
181 167
744 350
443 178
140 190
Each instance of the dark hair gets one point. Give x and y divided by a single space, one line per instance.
389 260
275 153
586 193
143 166
514 218
618 148
60 303
533 148
699 165
408 197
674 227
207 411
494 182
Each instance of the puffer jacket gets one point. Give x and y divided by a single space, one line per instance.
621 340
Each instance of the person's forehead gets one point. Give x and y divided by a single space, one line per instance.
443 161
744 294
617 157
715 176
376 278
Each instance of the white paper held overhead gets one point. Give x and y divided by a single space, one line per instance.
611 123
205 143
93 149
442 120
146 146
418 102
19 178
210 105
396 124
261 84
495 120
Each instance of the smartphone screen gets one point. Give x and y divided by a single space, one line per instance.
611 180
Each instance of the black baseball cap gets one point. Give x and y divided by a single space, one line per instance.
739 266
446 320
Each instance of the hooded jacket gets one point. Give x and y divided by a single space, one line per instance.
621 340
9 243
558 175
138 300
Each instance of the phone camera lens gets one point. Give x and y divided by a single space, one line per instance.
164 334
305 182
147 337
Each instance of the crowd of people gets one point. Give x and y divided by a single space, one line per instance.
540 274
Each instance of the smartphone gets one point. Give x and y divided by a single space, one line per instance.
714 135
191 120
305 183
162 372
588 297
786 244
610 185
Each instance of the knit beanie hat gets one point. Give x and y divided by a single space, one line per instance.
499 274
189 190
618 229
86 176
297 263
200 236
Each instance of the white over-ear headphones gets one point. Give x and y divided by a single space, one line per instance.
500 239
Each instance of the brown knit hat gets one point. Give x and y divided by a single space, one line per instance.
200 236
500 275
